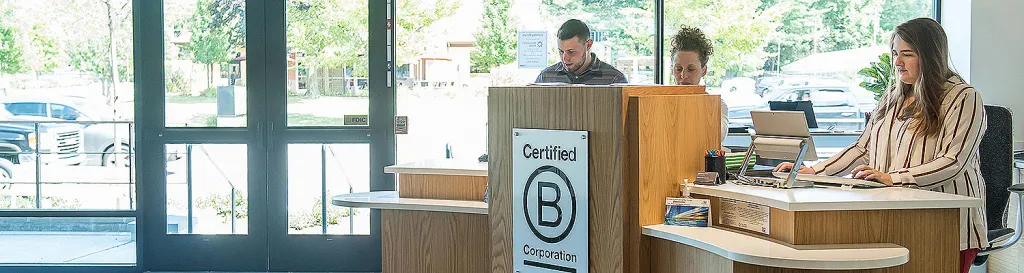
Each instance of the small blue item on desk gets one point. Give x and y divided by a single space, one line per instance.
687 212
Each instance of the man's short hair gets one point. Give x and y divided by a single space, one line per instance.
692 39
574 28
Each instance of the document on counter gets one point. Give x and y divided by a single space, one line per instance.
746 215
687 212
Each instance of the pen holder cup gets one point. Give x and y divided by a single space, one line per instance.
716 164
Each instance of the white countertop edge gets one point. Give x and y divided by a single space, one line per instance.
882 262
831 206
389 200
438 171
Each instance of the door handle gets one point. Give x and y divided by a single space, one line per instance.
270 136
259 135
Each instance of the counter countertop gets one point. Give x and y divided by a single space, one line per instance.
753 250
390 200
441 166
822 198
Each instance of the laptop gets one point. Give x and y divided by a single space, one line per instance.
793 124
782 124
833 180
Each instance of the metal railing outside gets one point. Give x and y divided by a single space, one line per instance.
325 151
32 149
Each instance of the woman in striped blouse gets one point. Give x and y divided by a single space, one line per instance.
925 132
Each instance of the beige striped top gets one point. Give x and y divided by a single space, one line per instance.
945 162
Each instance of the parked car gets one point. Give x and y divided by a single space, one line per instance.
762 84
739 85
768 84
835 107
58 144
99 137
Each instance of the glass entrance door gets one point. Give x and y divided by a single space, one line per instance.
269 108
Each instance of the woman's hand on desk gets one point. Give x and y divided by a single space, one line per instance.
786 166
868 173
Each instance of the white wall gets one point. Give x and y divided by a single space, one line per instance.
993 59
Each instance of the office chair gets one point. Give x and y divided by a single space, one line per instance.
997 168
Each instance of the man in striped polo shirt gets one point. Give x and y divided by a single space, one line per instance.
579 65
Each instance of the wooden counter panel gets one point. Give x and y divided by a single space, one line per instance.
594 109
933 242
931 235
436 186
668 256
441 242
749 268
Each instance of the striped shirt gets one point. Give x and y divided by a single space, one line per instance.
599 73
945 162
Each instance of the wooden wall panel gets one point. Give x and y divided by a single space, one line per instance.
594 109
435 186
434 242
667 137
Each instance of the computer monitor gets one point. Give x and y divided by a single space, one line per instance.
803 106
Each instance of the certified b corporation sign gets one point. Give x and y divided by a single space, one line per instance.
550 174
535 215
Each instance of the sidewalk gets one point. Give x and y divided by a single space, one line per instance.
66 248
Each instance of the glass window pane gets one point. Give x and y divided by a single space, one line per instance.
205 63
210 182
27 109
765 49
67 241
347 171
327 63
449 52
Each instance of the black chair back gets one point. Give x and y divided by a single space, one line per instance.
996 155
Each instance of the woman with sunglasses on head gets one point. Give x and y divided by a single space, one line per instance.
925 132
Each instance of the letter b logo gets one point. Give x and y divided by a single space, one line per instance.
541 203
545 207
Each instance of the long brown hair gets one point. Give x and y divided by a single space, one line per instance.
928 40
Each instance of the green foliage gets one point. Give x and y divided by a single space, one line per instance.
10 53
898 11
89 57
177 83
627 24
415 18
814 26
29 202
312 217
740 30
879 75
209 42
221 204
209 93
328 34
44 51
228 16
496 42
93 56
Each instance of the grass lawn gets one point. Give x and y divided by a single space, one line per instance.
191 99
293 120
